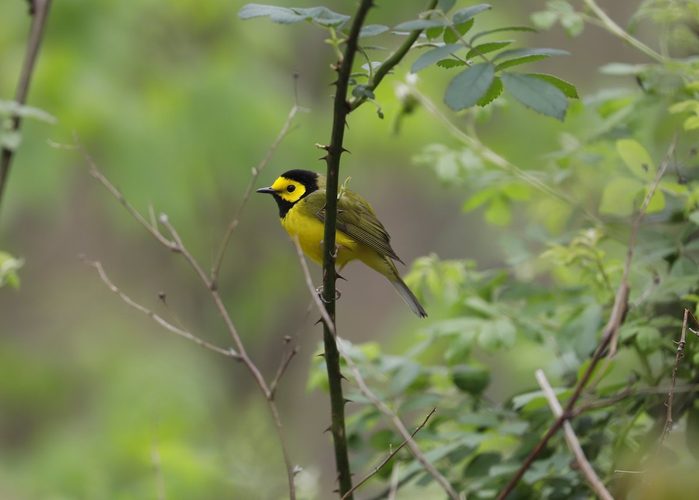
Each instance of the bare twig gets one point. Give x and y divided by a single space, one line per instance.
39 10
158 469
286 360
369 394
611 329
155 317
390 456
679 354
175 243
608 23
572 440
256 171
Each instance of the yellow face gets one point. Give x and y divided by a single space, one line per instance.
288 190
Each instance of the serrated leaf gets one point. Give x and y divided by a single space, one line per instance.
450 63
536 94
419 24
445 5
516 57
621 69
469 86
501 30
372 30
487 47
619 196
433 55
282 15
636 158
463 15
493 92
451 37
567 88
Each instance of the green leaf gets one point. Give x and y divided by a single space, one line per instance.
419 24
470 379
498 212
536 94
657 202
450 33
445 5
501 30
485 48
619 196
492 93
469 86
567 88
450 63
544 19
372 30
636 158
282 15
9 266
516 57
432 56
463 15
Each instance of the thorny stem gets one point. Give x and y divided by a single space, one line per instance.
39 10
341 109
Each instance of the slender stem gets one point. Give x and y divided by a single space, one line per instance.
341 109
679 354
390 456
233 224
611 26
572 440
39 10
389 63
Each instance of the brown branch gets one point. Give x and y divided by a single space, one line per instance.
39 10
679 354
256 171
231 353
286 360
611 329
390 456
175 243
572 440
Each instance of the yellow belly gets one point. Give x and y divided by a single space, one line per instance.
309 231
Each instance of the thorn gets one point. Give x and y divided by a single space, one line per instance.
342 377
287 339
322 146
162 296
327 429
214 285
320 320
345 150
321 355
347 400
324 157
339 276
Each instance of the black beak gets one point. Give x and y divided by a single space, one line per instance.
267 190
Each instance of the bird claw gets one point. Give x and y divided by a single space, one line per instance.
319 291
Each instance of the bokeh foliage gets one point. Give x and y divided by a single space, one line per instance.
178 101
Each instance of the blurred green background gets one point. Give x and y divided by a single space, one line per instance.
177 101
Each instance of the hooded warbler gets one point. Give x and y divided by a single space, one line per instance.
300 195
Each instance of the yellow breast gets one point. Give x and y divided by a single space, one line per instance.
309 230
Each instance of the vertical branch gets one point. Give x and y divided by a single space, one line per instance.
341 109
679 354
39 10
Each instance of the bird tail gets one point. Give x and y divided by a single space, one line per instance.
408 297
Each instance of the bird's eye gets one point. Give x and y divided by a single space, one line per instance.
290 188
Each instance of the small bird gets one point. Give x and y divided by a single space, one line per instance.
300 195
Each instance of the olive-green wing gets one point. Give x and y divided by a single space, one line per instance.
356 219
